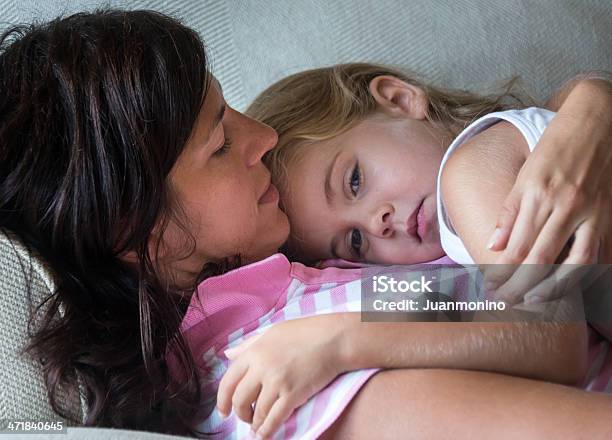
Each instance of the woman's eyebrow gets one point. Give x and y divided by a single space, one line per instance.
220 112
219 116
216 122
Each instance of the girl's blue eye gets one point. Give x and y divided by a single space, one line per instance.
356 241
355 180
223 148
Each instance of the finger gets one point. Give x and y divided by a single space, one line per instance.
267 397
557 284
522 281
245 396
532 217
549 245
234 352
531 220
495 275
585 248
505 222
584 251
227 386
279 413
552 239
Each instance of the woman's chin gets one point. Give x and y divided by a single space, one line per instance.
278 233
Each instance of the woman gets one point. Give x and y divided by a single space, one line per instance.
121 165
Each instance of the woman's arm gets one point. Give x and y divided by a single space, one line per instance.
436 404
548 351
583 89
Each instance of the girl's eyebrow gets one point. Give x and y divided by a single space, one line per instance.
327 187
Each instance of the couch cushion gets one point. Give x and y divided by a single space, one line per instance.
456 43
23 393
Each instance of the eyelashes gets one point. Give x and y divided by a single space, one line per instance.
354 183
355 238
223 148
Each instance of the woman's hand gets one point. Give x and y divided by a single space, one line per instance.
280 370
562 192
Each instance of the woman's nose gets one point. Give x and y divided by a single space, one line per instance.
262 139
380 223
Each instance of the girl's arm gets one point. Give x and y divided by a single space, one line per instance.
281 369
475 181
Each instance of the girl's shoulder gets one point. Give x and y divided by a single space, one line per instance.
499 146
475 178
510 134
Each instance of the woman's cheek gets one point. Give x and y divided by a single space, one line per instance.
243 220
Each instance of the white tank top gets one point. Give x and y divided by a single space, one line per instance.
531 122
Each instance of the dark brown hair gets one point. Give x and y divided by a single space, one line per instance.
95 109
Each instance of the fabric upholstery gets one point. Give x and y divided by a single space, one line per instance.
21 383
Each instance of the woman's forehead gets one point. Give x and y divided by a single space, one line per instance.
211 111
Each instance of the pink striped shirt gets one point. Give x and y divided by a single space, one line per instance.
225 310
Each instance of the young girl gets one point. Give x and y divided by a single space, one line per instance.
360 147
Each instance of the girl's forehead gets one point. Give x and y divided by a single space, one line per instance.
318 153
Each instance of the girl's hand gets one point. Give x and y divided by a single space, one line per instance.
563 191
279 371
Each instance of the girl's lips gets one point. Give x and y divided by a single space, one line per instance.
422 221
271 195
412 224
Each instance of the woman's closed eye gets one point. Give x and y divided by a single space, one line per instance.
224 148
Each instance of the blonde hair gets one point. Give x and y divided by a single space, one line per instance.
319 104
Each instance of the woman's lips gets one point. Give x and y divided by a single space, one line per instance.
270 196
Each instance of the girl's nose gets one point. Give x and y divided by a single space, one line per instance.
380 223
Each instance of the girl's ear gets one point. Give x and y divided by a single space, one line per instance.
398 98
